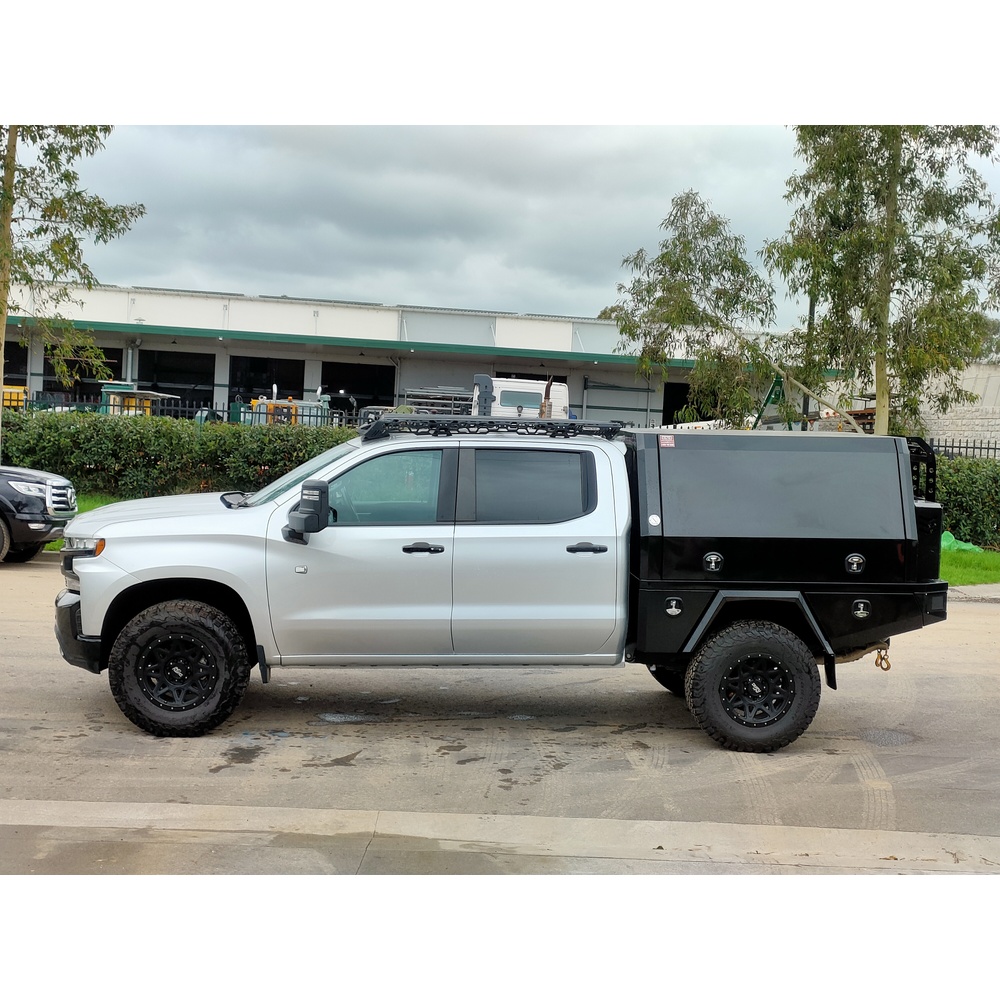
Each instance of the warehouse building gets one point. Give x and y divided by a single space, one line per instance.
213 349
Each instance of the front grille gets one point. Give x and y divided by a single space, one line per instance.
62 499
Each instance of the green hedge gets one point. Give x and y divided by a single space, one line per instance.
969 491
130 457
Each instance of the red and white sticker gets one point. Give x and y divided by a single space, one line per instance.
666 440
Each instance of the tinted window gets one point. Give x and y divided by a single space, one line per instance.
787 487
299 475
532 487
398 488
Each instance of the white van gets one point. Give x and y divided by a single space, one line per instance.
520 397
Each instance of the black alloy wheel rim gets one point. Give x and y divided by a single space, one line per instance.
757 691
177 672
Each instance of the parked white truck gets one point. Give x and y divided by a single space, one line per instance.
505 398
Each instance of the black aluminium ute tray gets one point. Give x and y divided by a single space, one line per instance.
783 503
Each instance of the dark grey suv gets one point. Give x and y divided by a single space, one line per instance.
34 509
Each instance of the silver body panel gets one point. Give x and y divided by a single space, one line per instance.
494 595
519 591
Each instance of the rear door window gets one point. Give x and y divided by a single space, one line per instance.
511 486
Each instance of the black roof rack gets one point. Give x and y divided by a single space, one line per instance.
446 426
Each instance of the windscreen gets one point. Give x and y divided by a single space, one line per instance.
518 397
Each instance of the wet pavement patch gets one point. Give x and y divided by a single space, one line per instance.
886 737
237 755
346 761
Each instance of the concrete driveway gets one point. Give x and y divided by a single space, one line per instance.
477 771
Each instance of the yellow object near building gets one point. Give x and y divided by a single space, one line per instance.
274 411
15 395
120 403
124 398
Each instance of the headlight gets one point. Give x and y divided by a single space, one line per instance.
29 489
78 547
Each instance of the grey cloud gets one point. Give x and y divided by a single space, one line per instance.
519 219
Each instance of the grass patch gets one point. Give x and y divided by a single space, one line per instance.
84 502
965 569
90 501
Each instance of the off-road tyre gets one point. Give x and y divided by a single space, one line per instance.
672 678
4 539
179 668
754 687
23 553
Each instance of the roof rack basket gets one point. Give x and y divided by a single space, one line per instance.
446 426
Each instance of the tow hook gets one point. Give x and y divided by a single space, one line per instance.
882 660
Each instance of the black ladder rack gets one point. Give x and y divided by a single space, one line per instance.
923 469
446 426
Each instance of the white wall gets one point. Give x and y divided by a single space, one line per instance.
965 423
534 334
977 422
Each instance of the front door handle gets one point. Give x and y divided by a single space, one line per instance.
423 547
586 547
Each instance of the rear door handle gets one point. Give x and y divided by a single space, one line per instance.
586 547
423 547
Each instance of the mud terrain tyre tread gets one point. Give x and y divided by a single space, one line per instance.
753 687
179 668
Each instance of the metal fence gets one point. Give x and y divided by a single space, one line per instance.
963 447
150 407
302 412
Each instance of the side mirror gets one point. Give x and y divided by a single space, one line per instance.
312 513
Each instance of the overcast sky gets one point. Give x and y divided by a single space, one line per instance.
521 219
392 203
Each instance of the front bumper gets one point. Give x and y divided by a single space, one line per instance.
76 648
28 528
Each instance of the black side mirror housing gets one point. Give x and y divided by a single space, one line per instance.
312 513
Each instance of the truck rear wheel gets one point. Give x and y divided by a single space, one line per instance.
179 668
754 687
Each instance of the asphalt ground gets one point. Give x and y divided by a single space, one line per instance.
529 772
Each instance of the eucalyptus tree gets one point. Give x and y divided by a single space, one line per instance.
45 218
894 246
895 236
699 298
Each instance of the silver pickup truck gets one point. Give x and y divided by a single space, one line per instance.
730 564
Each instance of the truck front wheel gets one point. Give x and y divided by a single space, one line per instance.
179 668
754 686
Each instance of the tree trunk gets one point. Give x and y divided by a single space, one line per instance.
885 279
6 247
